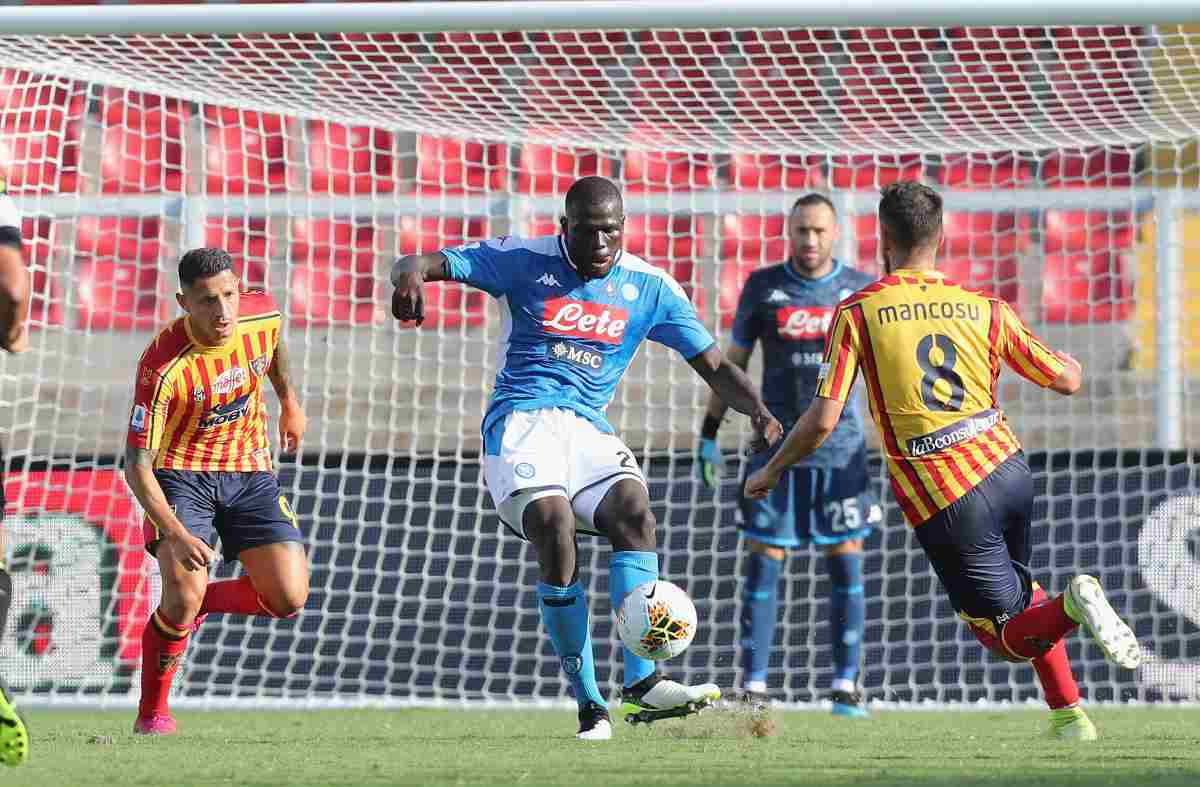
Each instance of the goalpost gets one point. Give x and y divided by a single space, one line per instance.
317 143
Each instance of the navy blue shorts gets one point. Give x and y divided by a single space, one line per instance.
818 505
980 546
245 509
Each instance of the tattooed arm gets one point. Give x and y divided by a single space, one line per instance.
292 421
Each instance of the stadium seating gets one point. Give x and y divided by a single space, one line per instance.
117 273
985 171
247 241
451 166
1089 168
754 240
40 121
776 90
141 143
870 172
45 307
671 243
348 159
1090 288
447 305
653 170
545 169
333 273
245 151
791 173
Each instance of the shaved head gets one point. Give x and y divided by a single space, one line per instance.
593 226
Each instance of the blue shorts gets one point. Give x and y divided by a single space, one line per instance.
979 546
245 509
818 505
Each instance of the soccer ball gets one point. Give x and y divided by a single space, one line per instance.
657 620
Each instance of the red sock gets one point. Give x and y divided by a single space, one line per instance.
1058 682
235 595
232 595
163 644
1036 630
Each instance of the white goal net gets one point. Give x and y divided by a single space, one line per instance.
1067 155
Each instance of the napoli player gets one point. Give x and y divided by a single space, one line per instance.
930 352
575 309
824 500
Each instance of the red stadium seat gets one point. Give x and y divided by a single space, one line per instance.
545 169
869 172
997 276
778 91
1086 288
46 305
447 305
984 233
247 241
991 92
117 274
540 226
866 241
245 152
1083 230
1091 168
791 173
985 171
754 240
678 93
671 243
141 142
666 171
349 159
40 121
333 278
452 166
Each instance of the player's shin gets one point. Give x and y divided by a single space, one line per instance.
627 570
1058 682
847 608
237 596
163 644
565 616
1036 630
760 609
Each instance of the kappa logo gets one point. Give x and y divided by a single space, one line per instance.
548 280
259 365
583 320
804 322
230 380
777 296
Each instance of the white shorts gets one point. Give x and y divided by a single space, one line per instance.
555 452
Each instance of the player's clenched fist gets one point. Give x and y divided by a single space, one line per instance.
408 299
761 482
767 431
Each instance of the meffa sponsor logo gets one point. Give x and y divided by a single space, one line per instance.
230 380
581 320
804 322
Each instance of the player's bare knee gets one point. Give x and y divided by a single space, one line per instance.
181 602
634 532
287 600
852 547
769 550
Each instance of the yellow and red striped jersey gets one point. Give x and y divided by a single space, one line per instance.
930 354
201 407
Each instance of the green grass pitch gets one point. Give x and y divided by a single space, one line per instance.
1139 746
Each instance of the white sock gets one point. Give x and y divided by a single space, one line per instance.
756 686
842 685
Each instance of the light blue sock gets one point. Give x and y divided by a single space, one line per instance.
847 608
565 616
626 571
760 609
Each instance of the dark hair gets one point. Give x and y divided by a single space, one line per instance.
203 264
592 190
813 198
912 213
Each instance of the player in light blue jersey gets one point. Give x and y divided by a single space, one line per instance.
823 501
575 309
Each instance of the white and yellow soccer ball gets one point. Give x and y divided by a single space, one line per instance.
657 620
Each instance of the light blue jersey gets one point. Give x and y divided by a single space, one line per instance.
566 342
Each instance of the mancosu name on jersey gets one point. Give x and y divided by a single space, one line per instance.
582 320
933 310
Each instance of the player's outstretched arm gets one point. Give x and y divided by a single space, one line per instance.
408 275
710 462
736 390
292 421
817 423
192 552
14 280
1030 357
1070 379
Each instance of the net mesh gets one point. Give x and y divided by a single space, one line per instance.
1069 163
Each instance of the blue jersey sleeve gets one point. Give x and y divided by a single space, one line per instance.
746 322
486 265
676 324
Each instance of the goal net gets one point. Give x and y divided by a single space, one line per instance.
1067 156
